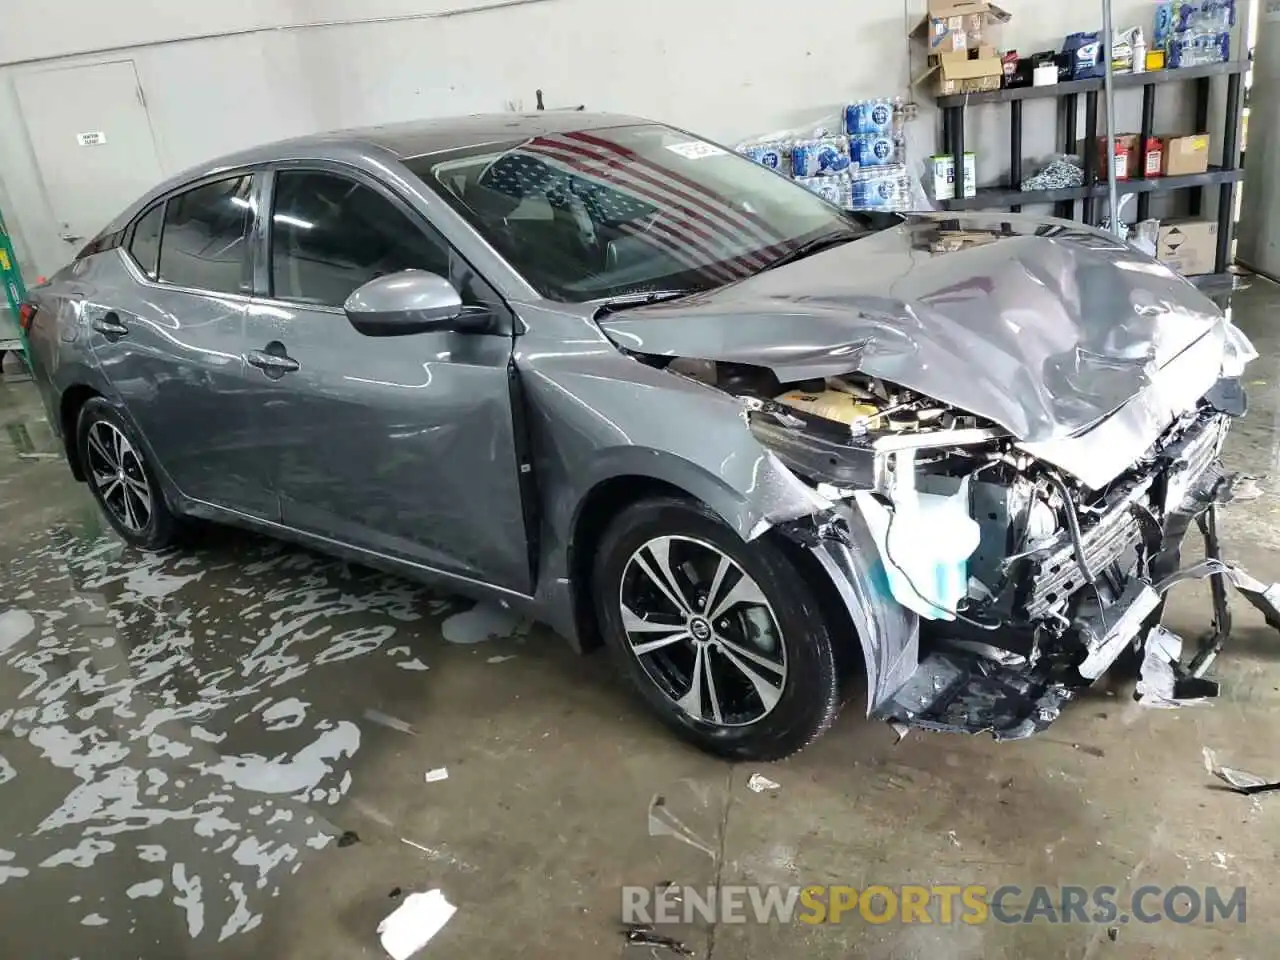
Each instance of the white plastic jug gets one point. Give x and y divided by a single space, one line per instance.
925 541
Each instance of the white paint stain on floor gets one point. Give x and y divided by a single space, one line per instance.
9 872
285 714
15 625
484 621
148 888
126 685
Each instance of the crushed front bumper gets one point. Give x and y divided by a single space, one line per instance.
963 684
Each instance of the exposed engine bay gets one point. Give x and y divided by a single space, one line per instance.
1027 583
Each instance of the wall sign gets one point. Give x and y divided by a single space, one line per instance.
91 139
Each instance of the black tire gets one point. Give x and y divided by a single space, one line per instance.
809 691
161 526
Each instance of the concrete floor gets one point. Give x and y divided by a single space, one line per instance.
184 736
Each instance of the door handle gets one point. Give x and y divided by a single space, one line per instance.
273 361
109 326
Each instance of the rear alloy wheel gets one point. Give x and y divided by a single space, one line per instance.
120 478
722 638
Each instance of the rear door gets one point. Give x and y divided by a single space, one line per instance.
166 322
404 446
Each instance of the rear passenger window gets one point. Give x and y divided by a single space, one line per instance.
206 237
145 245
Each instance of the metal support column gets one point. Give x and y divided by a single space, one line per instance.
957 149
1090 150
1071 105
1015 148
1196 203
1230 160
1109 77
1148 128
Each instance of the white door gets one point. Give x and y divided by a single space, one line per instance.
91 137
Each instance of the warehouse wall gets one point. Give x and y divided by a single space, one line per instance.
218 76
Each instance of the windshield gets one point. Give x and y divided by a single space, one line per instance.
596 214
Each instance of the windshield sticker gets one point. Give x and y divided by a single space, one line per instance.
696 149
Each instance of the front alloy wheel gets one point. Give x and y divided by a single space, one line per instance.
703 631
723 639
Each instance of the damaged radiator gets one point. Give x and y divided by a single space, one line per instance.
1057 577
1118 534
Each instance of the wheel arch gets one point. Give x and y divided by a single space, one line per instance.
636 475
70 403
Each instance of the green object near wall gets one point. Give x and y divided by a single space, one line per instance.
14 289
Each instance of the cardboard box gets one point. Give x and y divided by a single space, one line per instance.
950 26
1188 246
1184 156
965 71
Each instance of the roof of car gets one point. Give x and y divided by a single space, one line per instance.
418 137
414 138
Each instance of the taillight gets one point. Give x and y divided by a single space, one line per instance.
27 316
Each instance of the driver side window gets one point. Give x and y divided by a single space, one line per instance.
330 235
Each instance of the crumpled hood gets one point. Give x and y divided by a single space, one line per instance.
1044 329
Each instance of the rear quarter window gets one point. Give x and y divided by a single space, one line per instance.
144 245
103 241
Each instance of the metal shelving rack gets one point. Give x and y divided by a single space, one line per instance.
1080 203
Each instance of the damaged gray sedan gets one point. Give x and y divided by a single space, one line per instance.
635 386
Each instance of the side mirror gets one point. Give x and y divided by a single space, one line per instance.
411 301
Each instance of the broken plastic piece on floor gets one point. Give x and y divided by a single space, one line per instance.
1240 781
438 774
1244 489
664 823
760 783
1163 684
1163 650
410 928
386 720
643 935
